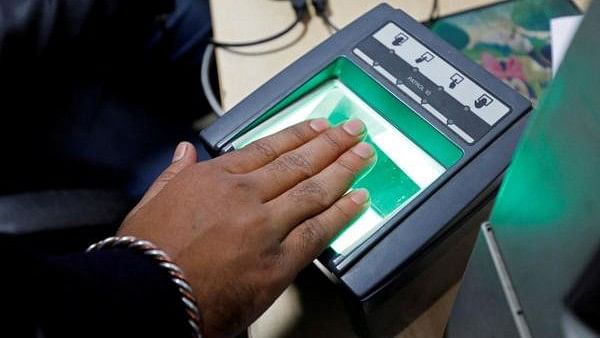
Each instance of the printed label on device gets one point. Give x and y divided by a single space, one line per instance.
442 90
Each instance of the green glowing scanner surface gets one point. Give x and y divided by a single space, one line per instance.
411 154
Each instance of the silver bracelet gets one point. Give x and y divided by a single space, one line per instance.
149 249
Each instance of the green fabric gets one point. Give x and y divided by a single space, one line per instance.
554 176
547 214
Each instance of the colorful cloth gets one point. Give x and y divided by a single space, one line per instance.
511 40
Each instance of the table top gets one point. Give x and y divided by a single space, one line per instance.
241 71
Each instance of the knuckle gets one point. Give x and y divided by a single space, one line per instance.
313 192
343 213
253 219
278 166
239 189
348 165
263 148
299 161
332 140
299 132
312 234
241 185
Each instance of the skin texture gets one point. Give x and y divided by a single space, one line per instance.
243 225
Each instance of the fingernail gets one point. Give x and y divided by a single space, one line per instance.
354 127
364 150
360 196
319 125
179 152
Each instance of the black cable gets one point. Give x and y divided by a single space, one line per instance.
434 15
259 41
301 10
321 7
330 24
322 10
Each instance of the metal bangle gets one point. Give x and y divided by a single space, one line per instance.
147 248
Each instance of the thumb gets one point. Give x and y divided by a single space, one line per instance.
184 156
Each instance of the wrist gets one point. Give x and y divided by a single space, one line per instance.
176 276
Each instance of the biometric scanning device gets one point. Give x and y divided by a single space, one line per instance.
444 131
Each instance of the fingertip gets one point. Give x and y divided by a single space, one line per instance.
191 153
360 196
355 127
179 152
319 125
184 151
364 150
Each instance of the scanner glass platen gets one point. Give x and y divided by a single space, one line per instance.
411 154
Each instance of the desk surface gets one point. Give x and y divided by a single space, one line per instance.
241 71
303 310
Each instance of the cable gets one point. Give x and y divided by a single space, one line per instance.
322 10
259 41
205 79
321 7
330 24
434 15
301 11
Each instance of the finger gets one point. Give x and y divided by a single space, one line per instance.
303 162
312 236
184 156
265 150
319 192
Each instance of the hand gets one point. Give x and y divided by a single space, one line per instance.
242 226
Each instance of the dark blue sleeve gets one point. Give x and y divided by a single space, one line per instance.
111 293
35 31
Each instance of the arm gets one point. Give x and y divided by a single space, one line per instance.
51 30
241 227
112 293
